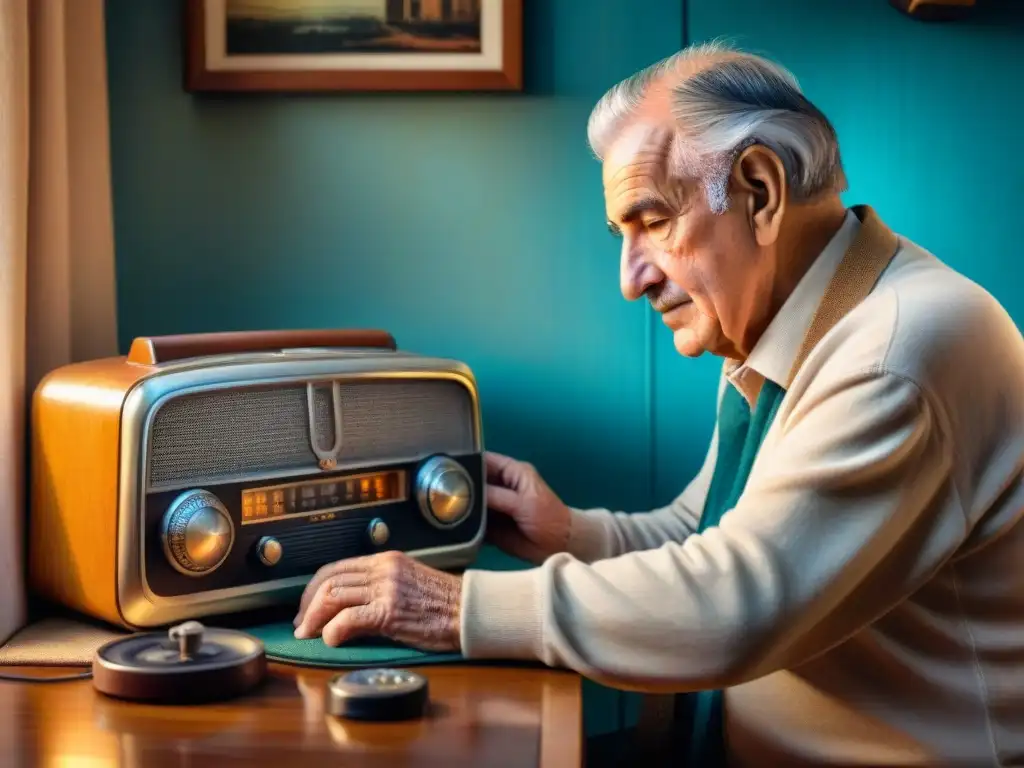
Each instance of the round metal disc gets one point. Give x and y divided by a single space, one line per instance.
189 667
378 694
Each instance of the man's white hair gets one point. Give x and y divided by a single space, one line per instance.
733 101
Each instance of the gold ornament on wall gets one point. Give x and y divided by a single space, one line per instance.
934 10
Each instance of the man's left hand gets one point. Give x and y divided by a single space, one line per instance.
385 595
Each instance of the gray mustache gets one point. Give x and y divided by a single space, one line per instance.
662 304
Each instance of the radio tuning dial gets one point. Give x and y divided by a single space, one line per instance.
197 533
444 491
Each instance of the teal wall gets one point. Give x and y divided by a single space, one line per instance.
472 225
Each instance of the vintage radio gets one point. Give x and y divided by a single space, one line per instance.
213 473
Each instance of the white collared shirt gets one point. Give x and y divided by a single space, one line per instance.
863 602
774 353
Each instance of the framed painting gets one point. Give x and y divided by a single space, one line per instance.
353 45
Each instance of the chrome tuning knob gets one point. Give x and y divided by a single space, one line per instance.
197 533
444 492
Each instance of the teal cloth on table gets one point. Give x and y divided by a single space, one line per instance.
281 645
740 434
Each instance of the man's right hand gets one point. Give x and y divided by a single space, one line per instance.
526 518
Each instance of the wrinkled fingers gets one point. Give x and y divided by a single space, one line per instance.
355 572
334 594
353 622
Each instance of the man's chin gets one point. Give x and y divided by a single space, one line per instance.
686 343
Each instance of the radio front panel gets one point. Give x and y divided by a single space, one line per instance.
240 479
221 536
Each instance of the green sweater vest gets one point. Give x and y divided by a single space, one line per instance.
740 434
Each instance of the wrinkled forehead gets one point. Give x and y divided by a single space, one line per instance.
640 150
647 166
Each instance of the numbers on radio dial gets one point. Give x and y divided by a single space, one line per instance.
197 533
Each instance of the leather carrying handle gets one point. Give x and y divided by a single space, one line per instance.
153 350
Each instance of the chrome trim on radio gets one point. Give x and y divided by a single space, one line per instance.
139 606
331 454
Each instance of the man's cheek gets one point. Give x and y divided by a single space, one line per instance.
704 306
680 272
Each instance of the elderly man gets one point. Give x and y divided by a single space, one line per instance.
843 581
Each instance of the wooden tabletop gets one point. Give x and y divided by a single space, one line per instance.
480 716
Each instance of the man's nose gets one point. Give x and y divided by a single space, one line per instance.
636 272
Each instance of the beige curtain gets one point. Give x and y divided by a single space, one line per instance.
57 299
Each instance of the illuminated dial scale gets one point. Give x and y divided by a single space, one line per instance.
262 504
198 532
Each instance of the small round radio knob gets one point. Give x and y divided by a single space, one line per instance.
269 550
197 533
378 532
444 491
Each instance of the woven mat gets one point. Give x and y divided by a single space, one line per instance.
57 642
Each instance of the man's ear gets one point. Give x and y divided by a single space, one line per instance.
759 185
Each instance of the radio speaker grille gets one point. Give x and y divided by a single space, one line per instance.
229 433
